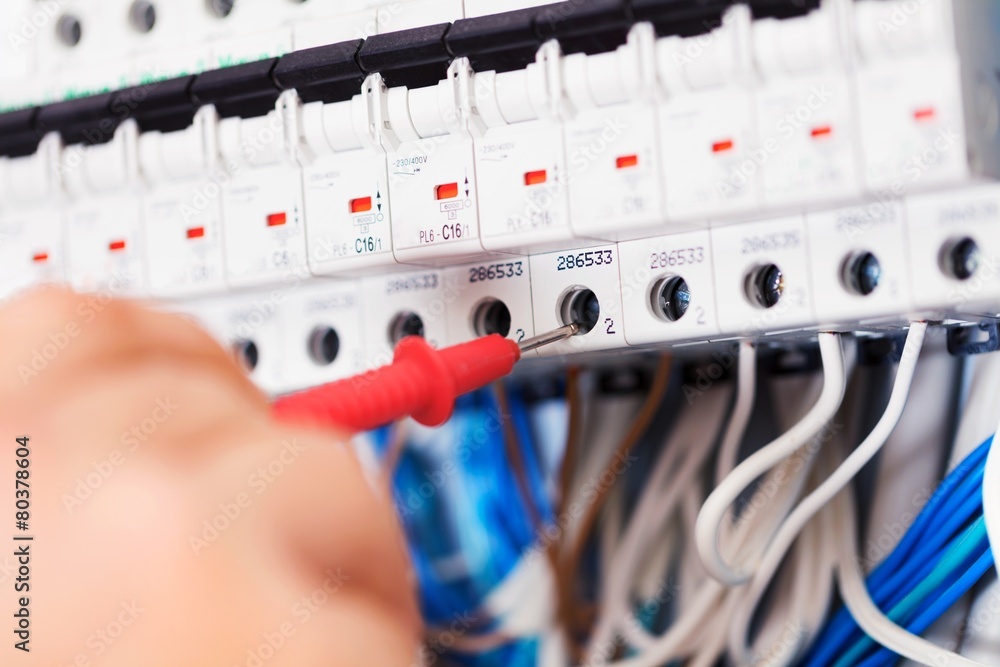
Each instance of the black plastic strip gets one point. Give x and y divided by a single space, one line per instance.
328 73
681 18
164 106
585 26
502 42
245 90
17 132
413 58
87 120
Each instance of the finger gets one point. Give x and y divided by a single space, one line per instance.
339 521
53 337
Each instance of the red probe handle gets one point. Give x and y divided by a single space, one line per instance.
420 382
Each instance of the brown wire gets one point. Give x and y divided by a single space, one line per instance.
566 570
512 449
564 613
394 450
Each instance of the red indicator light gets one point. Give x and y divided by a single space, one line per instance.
722 146
822 131
196 232
361 205
627 161
276 219
446 191
535 177
40 257
115 246
923 115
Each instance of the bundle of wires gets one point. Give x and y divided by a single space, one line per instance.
468 519
943 554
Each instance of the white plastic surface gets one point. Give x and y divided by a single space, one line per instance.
556 275
738 250
646 262
383 298
934 221
327 304
835 236
506 279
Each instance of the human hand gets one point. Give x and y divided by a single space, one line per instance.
174 522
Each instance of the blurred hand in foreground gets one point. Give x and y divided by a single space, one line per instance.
174 523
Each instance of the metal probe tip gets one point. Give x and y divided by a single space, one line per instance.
554 336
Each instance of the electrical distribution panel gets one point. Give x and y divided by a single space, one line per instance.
314 181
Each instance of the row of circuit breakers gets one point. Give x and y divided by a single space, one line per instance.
660 171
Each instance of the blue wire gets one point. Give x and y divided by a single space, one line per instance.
971 575
931 550
961 553
955 499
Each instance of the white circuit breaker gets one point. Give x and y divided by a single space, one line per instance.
181 212
661 176
31 229
104 236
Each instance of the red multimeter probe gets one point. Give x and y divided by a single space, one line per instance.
421 382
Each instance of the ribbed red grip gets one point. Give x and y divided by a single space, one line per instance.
421 381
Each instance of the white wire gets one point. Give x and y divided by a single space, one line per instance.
813 565
683 454
866 613
816 500
718 503
746 393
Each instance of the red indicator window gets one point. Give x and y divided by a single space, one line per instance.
821 131
40 257
446 191
722 146
627 161
361 205
535 177
196 232
115 246
923 115
276 219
